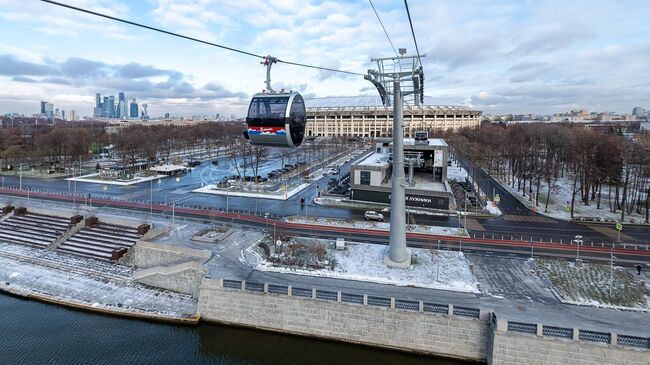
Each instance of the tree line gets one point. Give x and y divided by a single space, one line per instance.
536 155
68 144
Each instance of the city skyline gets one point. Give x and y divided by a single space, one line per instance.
499 58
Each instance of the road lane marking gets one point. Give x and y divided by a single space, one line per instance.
528 218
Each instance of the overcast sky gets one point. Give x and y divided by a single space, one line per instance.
496 56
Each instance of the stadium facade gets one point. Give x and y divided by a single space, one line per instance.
365 116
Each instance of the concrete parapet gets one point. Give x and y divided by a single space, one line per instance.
149 254
183 278
525 343
395 328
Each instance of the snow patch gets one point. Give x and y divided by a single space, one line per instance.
444 270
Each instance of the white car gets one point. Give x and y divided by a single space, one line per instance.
373 216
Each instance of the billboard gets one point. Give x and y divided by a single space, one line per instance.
437 158
412 200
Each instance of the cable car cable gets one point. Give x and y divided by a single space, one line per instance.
384 28
413 32
192 38
321 68
151 28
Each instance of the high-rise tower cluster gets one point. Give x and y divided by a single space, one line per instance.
108 108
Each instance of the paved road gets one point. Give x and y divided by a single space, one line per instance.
523 299
516 223
626 254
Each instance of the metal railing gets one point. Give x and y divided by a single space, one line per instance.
633 341
583 335
522 327
436 308
594 336
551 331
467 312
352 298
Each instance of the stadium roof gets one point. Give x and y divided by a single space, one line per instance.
371 101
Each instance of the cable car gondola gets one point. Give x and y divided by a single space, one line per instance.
276 119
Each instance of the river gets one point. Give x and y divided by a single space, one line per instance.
39 333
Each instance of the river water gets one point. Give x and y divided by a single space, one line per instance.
38 333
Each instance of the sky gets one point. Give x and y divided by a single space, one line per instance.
497 56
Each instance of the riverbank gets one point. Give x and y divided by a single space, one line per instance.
88 284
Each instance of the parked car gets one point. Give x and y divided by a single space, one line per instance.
215 162
194 163
373 216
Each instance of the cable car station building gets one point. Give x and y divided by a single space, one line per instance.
426 174
366 117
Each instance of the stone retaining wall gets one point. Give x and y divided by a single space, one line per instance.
515 347
406 330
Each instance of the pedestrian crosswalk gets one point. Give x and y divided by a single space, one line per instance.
610 232
474 225
528 218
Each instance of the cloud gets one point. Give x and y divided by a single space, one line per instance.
9 66
136 71
23 79
455 51
134 79
528 71
561 36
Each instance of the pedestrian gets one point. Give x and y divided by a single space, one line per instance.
638 269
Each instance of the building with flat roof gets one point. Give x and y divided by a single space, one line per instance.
366 116
426 174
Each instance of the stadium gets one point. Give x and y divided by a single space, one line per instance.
365 116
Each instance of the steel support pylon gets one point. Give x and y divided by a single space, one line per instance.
397 255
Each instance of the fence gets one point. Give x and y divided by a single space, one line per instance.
352 298
574 334
279 219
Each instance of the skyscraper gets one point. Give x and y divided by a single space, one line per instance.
134 109
63 114
638 111
48 110
121 106
43 106
73 115
111 106
97 112
145 115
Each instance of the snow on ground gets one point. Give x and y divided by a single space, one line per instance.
560 202
382 226
446 270
589 284
212 189
83 280
455 172
493 209
93 178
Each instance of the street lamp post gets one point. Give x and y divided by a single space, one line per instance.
578 241
611 270
460 235
151 200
